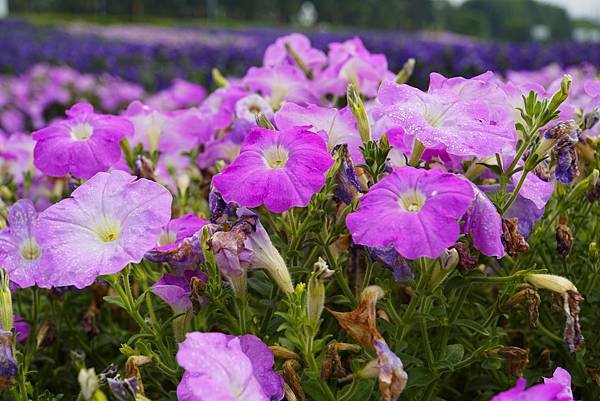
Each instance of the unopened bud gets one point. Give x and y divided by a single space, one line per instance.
6 309
551 282
219 79
562 94
406 72
315 299
298 60
183 183
360 113
263 121
280 352
88 382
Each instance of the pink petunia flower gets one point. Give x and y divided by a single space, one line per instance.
556 388
277 53
21 254
110 221
223 367
335 126
443 118
278 169
83 144
415 210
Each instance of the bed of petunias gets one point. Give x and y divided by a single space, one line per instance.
315 229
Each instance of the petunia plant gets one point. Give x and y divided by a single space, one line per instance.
316 229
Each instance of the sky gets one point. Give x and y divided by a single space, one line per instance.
576 8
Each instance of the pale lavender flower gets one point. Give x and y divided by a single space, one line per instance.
110 221
415 210
279 83
21 254
227 368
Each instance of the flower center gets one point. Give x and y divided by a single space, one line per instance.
412 200
434 115
275 157
108 229
254 108
167 237
82 132
29 249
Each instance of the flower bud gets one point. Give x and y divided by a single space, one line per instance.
562 94
406 72
183 183
315 299
8 364
88 382
6 309
360 113
144 168
551 282
298 60
219 79
263 121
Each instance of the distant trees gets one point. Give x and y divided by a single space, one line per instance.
499 19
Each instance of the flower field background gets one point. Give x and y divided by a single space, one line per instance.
211 214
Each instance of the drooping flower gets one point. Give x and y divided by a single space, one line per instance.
245 244
176 290
227 368
392 376
443 118
414 210
21 254
335 126
110 221
277 53
83 144
179 229
557 388
8 364
278 169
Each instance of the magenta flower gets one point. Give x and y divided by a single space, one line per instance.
279 83
443 118
227 368
110 221
335 126
484 223
176 290
415 210
181 94
557 388
278 169
277 53
83 144
25 260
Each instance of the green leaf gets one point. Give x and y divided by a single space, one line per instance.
473 326
454 354
115 300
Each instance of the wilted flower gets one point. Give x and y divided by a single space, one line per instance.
123 389
561 139
392 376
83 145
8 364
110 221
222 367
393 261
21 254
513 241
280 169
564 240
414 210
176 290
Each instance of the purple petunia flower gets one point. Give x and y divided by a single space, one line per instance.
277 53
279 83
110 221
335 126
414 210
8 364
83 144
178 229
21 254
484 223
176 290
557 388
443 118
278 169
21 328
227 368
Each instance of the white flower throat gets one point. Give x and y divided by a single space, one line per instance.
107 228
82 132
412 200
275 156
29 249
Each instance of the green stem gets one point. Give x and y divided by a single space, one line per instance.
349 394
515 192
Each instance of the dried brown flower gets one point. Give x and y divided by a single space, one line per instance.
513 241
